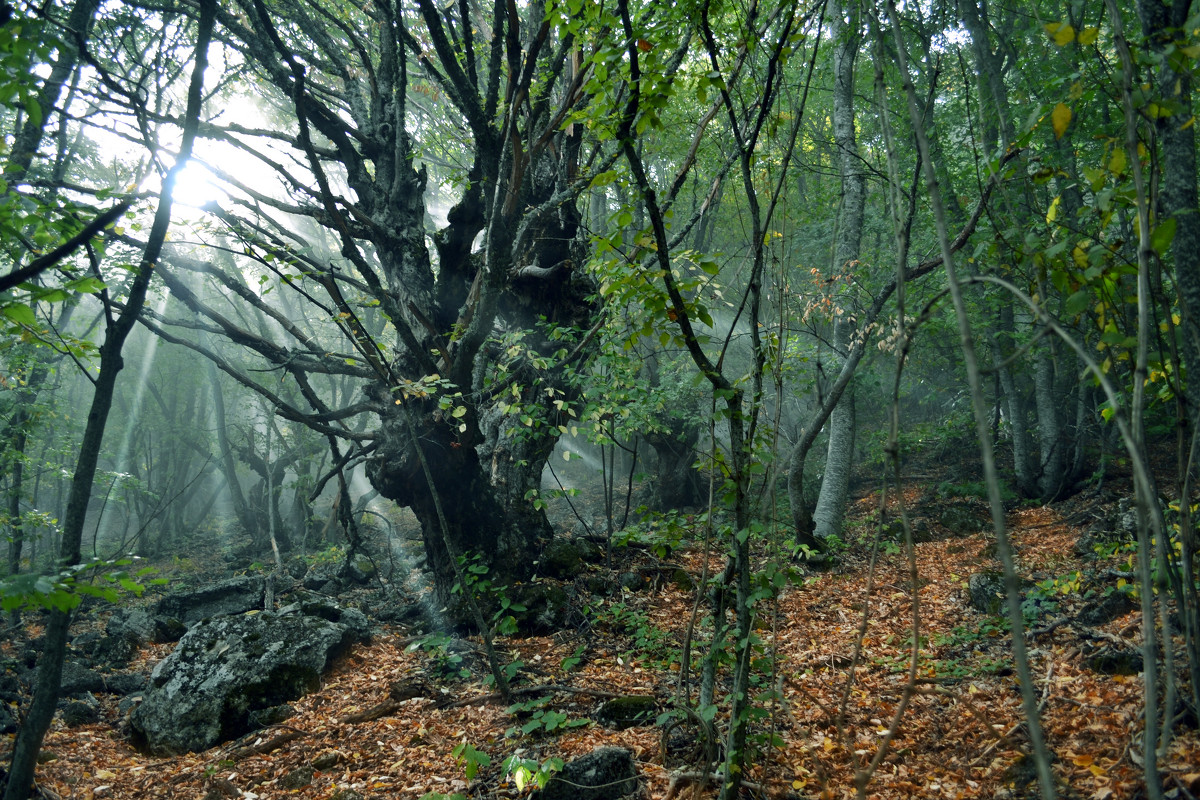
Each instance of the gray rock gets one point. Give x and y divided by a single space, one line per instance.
633 581
1106 609
987 591
964 519
232 596
297 778
547 606
297 567
1114 660
561 559
8 723
168 629
360 569
352 618
606 773
78 679
128 703
10 688
125 683
76 713
117 651
271 716
326 761
136 623
225 669
921 532
86 644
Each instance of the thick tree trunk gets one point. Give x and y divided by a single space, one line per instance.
839 458
482 493
1162 23
676 483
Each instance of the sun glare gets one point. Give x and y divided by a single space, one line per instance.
195 187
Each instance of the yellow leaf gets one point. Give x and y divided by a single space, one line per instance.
1097 770
1116 164
104 775
1082 761
1052 213
1061 32
1060 118
1088 36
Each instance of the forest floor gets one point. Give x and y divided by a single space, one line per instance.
836 649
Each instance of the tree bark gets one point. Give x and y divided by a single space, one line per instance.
486 512
839 460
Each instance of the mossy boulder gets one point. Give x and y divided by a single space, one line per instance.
561 559
628 712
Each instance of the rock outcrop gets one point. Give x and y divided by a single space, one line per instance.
226 671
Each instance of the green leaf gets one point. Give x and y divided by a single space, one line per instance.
1078 302
1163 235
20 314
34 110
85 286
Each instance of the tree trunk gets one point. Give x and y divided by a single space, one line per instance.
482 492
839 461
1015 405
1051 434
241 508
676 483
50 662
1162 24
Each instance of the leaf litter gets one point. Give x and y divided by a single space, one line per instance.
826 710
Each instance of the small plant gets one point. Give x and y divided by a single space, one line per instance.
660 533
445 663
526 772
472 761
539 718
475 575
335 554
976 489
649 640
574 660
